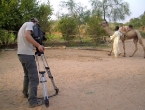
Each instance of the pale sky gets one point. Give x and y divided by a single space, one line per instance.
137 7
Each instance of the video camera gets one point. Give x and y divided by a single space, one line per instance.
38 34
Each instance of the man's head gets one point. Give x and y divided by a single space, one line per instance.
130 26
116 28
34 20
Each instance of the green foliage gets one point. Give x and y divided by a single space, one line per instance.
6 37
112 9
143 34
142 17
67 26
53 37
15 12
77 11
44 14
137 22
8 14
95 30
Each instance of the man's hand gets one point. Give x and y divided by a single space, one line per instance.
41 48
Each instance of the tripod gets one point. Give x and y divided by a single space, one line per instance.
43 77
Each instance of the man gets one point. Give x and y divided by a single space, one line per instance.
130 27
26 56
116 37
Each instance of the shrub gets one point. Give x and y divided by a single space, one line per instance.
95 30
143 34
67 26
6 37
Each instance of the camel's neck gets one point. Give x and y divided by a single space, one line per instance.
108 30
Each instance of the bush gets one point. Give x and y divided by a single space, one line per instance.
95 30
53 37
6 37
143 34
67 26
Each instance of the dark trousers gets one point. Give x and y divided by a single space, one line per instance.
31 79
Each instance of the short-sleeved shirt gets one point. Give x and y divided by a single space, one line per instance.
24 46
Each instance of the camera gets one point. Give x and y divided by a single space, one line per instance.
38 34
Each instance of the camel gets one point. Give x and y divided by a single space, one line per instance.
132 34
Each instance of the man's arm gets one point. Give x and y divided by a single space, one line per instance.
113 36
32 41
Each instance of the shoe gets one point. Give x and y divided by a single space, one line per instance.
119 54
115 57
39 102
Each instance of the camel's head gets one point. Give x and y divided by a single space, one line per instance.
104 24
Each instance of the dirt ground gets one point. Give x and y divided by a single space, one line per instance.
87 80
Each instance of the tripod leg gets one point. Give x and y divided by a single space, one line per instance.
43 80
49 74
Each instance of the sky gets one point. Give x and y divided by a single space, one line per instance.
137 7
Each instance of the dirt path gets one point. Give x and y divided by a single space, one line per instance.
87 80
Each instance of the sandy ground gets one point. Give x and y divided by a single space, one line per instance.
87 80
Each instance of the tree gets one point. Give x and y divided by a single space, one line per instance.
44 14
112 9
142 17
67 26
8 15
136 22
95 30
15 12
78 12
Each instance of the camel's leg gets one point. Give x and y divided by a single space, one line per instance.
110 51
124 48
140 40
141 43
135 42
